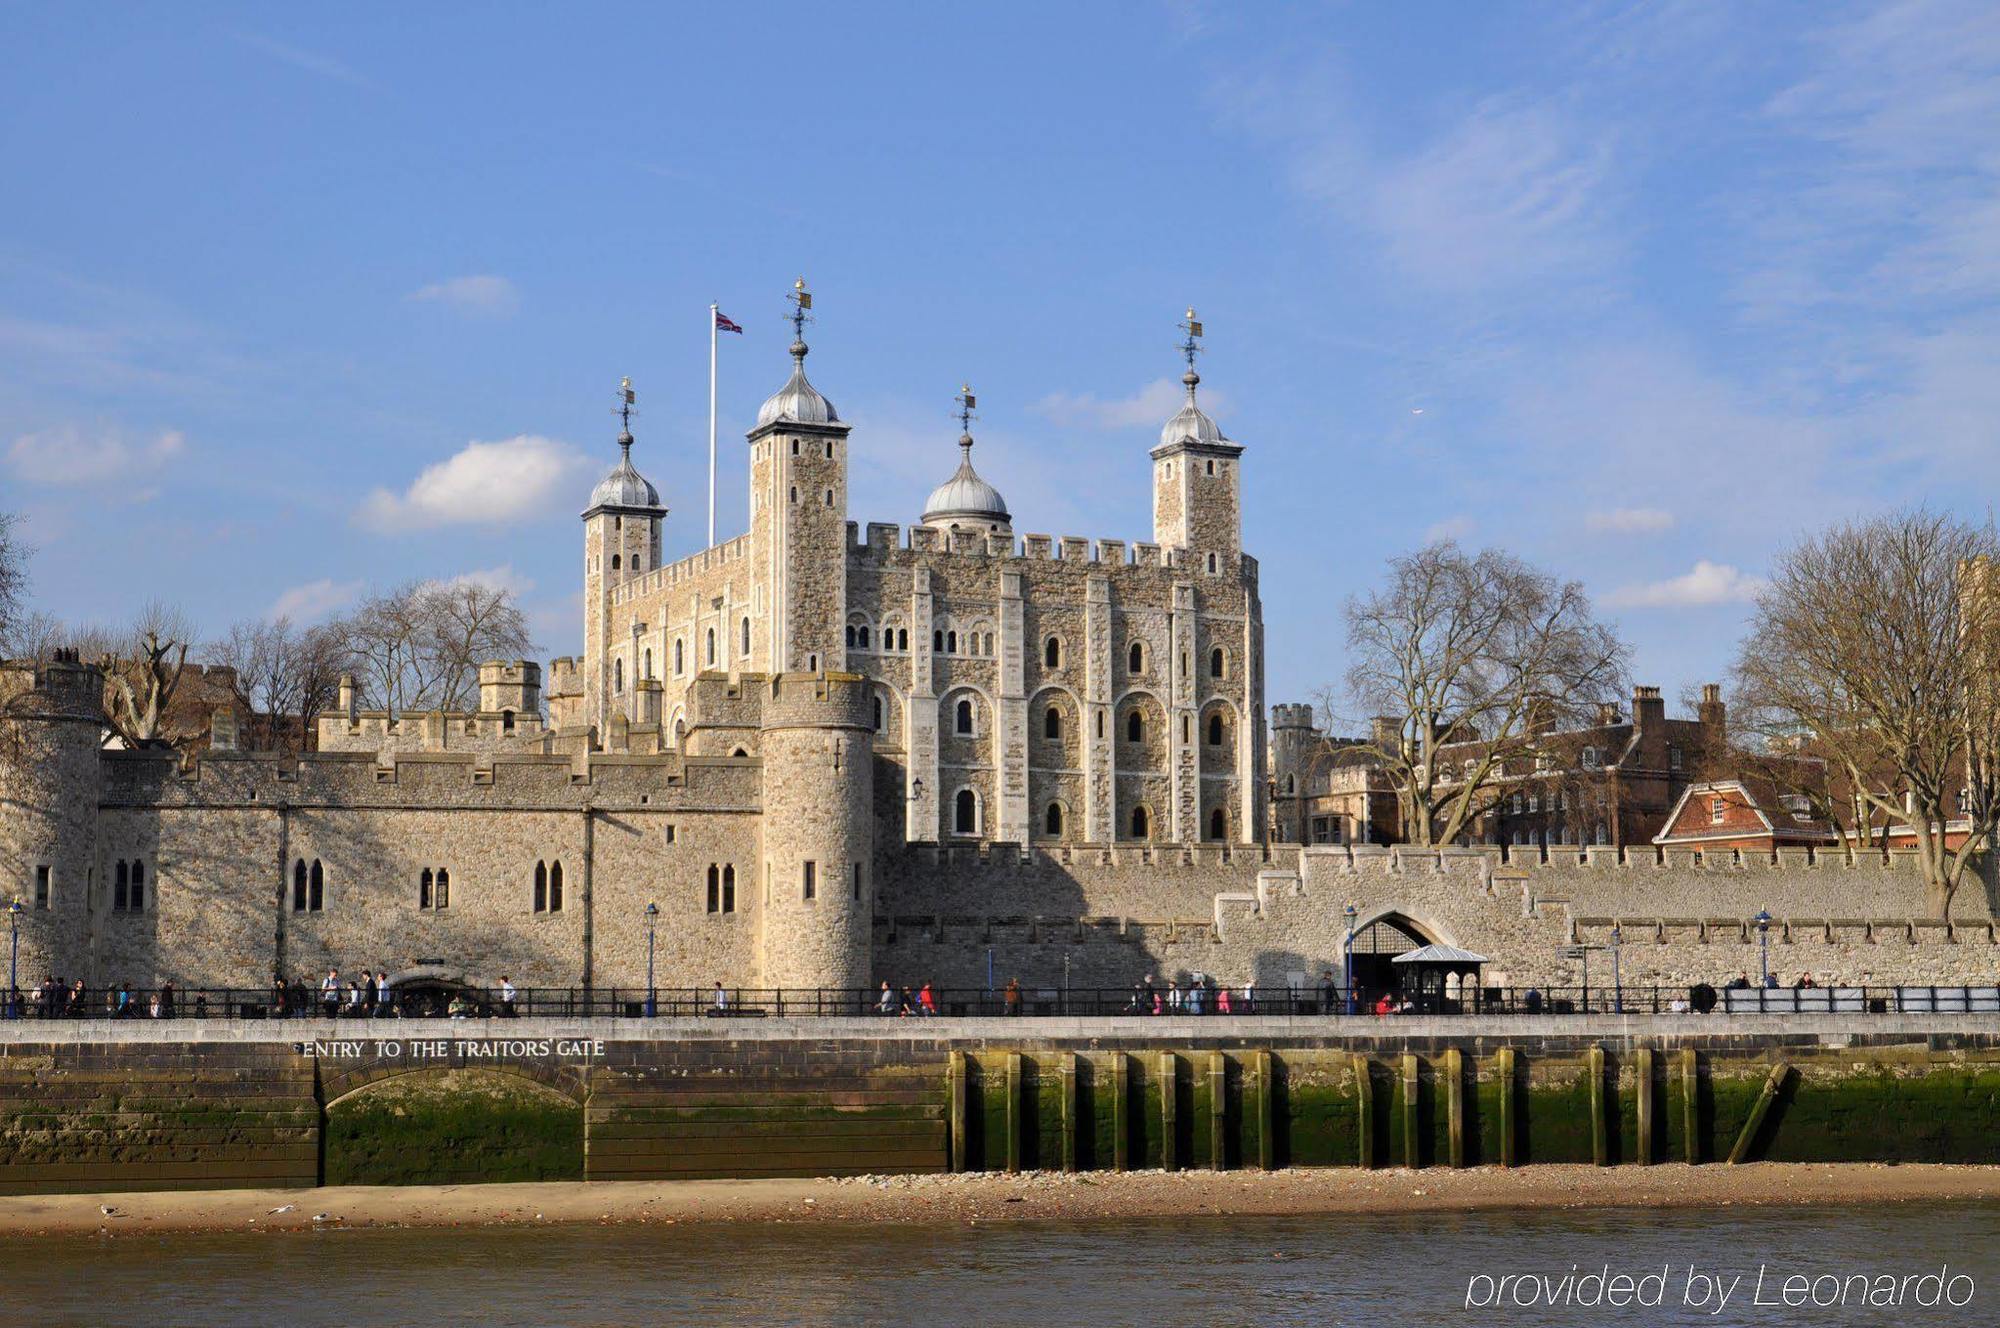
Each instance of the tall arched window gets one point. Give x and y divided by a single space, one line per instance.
316 888
121 887
299 886
746 636
879 714
1135 658
965 813
1052 820
614 562
680 659
951 643
1216 663
729 889
617 675
138 887
1052 652
850 636
1052 723
714 888
506 721
1141 823
443 896
711 647
555 887
862 632
902 638
424 888
1215 730
962 722
1218 825
937 640
1135 727
541 887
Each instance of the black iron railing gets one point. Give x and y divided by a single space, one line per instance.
953 1002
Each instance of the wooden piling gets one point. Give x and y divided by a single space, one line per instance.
1690 1077
1364 1111
957 1076
1510 1148
1772 1083
1266 1093
1218 1111
1069 1110
1412 1146
1600 1140
1013 1088
1121 1106
1454 1096
1642 1073
1168 1109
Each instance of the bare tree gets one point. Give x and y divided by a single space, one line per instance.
13 579
284 676
143 672
419 646
1875 647
1479 649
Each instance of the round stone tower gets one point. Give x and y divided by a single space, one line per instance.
51 723
819 831
1292 739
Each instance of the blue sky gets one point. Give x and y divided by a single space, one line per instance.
297 302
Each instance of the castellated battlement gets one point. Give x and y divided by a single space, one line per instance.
885 538
1291 716
692 567
62 689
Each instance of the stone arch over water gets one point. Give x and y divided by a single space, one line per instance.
415 1124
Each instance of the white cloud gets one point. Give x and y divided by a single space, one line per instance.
66 455
300 58
1629 521
488 295
482 483
503 577
1151 406
1451 528
1709 583
314 601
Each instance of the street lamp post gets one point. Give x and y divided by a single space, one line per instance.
652 1000
1347 957
14 911
1617 980
1763 921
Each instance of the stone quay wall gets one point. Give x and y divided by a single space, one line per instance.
95 1107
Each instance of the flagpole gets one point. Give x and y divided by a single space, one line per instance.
713 311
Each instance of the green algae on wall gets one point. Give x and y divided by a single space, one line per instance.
453 1127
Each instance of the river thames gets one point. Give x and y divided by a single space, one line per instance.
1346 1270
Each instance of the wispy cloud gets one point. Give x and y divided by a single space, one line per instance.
69 455
1707 583
314 601
487 295
299 58
1152 405
480 484
1451 528
1629 521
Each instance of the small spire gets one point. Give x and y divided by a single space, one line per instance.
802 303
966 401
626 398
1191 348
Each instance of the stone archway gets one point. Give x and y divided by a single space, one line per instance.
1377 942
445 1125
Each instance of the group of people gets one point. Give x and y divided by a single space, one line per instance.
56 999
366 997
923 1001
1196 994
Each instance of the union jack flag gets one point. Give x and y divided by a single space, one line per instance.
723 323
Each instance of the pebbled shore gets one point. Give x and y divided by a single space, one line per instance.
992 1198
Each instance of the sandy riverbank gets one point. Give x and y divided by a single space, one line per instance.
984 1198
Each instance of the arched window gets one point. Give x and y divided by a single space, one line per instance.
902 638
1216 663
138 887
506 721
1141 823
965 813
1052 652
987 650
878 714
963 721
614 562
1211 564
1052 820
937 640
714 888
680 659
648 663
746 636
850 636
316 888
1135 727
951 643
729 889
1218 825
1052 723
1291 784
862 632
299 886
555 887
1135 658
541 887
1215 730
424 889
443 896
121 886
711 646
617 675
